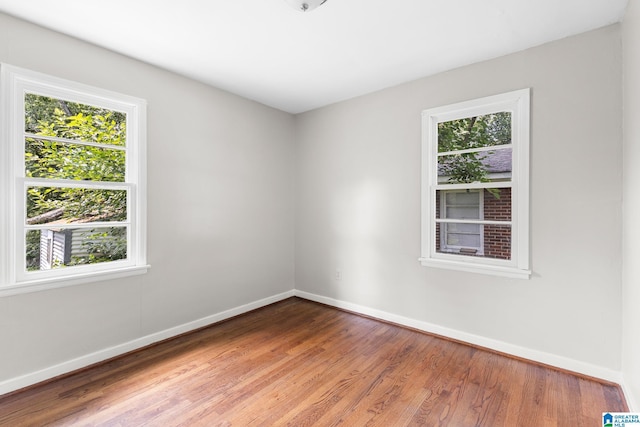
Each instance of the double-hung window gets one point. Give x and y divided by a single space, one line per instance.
73 183
475 185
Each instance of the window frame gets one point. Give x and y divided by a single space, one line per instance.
14 278
518 104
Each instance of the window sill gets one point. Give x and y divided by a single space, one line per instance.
76 279
494 270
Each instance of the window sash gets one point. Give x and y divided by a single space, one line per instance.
24 183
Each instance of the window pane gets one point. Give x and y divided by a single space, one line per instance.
63 205
482 166
459 238
57 160
486 241
473 132
64 247
463 235
495 202
47 116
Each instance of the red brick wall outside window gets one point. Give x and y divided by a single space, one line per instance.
497 238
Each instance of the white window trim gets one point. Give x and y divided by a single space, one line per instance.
13 279
517 102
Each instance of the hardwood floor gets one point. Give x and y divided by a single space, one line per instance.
299 363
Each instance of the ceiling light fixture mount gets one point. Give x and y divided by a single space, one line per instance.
305 5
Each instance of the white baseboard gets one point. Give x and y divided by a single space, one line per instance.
17 383
503 347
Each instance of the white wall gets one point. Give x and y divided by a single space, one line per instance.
631 205
358 207
220 211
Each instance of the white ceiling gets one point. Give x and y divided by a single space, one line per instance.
266 51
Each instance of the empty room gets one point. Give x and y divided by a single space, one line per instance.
308 212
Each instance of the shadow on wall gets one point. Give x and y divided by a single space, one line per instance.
359 222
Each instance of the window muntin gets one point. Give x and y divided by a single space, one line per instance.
74 180
477 150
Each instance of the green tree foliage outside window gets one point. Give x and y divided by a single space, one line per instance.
467 134
97 156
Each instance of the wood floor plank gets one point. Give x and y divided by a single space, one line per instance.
298 363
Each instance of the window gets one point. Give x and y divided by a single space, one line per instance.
73 183
475 185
